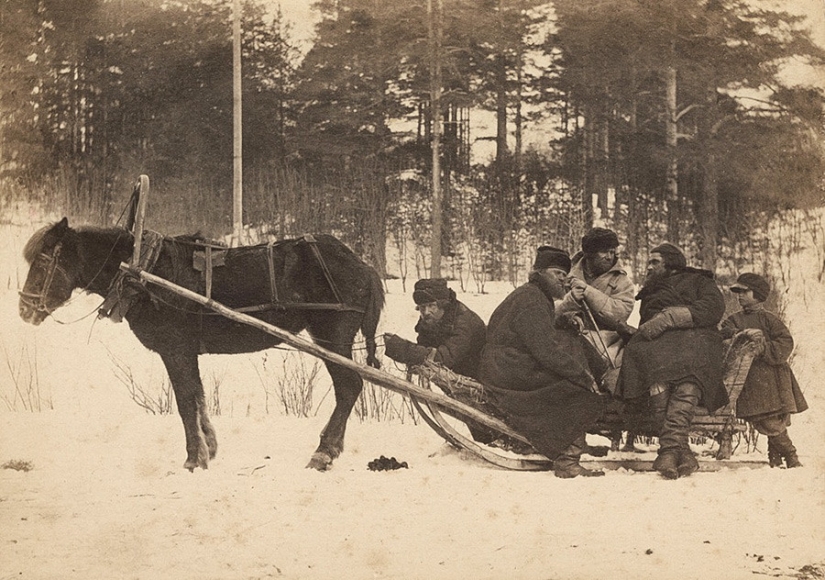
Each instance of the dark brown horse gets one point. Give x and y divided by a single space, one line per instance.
315 284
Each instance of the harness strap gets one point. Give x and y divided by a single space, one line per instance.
313 244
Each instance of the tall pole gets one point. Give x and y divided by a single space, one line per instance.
434 12
237 120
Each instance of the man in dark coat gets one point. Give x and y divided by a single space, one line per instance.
676 355
449 333
770 394
537 374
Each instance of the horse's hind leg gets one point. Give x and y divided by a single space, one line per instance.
201 442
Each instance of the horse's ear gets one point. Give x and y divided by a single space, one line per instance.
61 227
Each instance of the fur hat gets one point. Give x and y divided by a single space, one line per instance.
431 290
760 286
673 256
599 240
550 257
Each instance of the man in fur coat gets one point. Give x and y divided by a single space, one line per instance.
449 333
676 355
536 374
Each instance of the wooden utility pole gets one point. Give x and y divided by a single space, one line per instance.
237 120
434 11
672 138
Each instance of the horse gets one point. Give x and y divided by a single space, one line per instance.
314 283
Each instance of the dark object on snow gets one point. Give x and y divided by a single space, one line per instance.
384 464
311 283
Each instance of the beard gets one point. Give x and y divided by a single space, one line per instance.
598 265
655 275
556 288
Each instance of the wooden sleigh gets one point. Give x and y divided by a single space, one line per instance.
514 452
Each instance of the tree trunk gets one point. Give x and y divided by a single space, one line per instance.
434 11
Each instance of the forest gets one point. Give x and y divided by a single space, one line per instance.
661 119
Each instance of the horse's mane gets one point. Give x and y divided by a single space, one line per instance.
35 243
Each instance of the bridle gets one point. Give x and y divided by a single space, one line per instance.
37 301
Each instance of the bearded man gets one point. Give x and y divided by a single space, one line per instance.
449 333
676 355
537 374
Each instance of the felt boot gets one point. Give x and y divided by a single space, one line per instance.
787 450
674 448
774 456
687 463
567 466
667 463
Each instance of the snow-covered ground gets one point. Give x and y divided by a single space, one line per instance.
107 495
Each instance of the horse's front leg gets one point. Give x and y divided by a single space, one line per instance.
201 442
347 384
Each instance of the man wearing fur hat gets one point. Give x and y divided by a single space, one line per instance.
675 357
600 285
770 394
537 374
449 333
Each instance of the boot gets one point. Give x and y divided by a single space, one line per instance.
774 457
787 450
567 466
687 463
675 457
667 463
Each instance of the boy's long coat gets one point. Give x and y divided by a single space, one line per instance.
771 386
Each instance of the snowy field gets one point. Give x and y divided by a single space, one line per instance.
106 495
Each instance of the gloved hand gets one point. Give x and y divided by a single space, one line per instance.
669 318
569 321
626 331
757 338
397 348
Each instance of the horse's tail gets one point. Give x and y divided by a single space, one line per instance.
372 313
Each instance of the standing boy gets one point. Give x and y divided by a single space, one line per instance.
770 394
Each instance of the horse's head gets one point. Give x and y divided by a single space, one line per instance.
50 282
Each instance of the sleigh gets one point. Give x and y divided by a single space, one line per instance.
512 451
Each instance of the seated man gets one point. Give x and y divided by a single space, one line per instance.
536 374
676 356
601 298
600 285
449 333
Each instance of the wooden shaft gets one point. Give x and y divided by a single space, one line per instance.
375 376
140 214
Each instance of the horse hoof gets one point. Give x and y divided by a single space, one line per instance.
320 461
190 465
